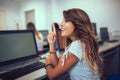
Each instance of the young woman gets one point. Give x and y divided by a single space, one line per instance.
38 35
81 58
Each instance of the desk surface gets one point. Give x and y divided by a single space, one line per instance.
107 46
42 72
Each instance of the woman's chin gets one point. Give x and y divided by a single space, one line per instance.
62 35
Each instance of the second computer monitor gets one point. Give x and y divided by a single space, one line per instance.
94 28
104 34
46 45
60 41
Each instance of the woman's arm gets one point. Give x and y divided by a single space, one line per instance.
52 48
58 70
53 55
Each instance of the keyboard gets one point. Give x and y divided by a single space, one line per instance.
21 71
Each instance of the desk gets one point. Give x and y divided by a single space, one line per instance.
105 48
110 52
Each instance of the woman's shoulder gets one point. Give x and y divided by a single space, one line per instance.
76 49
76 43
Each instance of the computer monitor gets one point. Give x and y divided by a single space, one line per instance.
60 41
104 34
95 28
17 46
45 41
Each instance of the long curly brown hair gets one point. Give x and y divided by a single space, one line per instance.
84 31
31 26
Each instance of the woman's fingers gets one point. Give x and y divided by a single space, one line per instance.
51 37
54 29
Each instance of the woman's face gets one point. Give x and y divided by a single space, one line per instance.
67 29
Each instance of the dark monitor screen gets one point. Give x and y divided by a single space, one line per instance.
60 41
45 41
16 46
44 33
95 28
104 34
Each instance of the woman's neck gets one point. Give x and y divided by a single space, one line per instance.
74 38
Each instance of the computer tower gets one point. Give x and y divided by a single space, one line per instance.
104 34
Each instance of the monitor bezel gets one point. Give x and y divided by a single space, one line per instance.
20 59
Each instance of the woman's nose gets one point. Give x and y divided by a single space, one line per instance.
61 24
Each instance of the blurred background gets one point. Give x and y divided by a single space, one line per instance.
15 14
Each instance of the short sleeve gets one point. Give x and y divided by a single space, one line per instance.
76 49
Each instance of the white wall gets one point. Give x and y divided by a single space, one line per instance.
11 12
40 14
106 13
15 10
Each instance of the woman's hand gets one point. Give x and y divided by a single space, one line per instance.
52 36
48 60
